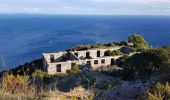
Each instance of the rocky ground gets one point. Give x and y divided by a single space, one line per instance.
78 93
74 86
126 91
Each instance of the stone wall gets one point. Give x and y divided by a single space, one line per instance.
107 61
72 56
52 68
93 53
95 62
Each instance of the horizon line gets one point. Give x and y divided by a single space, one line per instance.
87 14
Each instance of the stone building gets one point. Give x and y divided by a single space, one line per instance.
62 61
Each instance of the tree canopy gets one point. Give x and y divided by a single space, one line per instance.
138 41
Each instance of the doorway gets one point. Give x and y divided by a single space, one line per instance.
87 54
112 61
58 68
98 53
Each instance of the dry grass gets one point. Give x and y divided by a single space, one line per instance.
78 93
160 92
16 88
19 88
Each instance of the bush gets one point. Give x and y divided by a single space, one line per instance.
134 49
112 53
108 53
123 43
52 78
106 85
138 41
121 61
75 69
110 45
160 92
147 63
17 86
114 73
80 47
39 73
117 52
27 68
98 46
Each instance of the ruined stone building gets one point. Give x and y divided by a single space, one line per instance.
61 62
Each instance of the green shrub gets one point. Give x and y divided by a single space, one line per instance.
110 45
75 69
108 53
27 68
39 73
138 41
98 46
117 52
106 85
134 49
121 61
149 62
81 47
52 78
123 43
112 53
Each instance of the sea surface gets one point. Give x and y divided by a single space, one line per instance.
24 37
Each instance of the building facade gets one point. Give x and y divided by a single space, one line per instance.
62 61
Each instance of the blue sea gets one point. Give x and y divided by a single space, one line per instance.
24 37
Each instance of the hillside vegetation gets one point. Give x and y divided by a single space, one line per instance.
142 76
152 61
